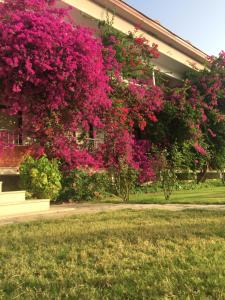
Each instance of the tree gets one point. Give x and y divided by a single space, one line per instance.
208 90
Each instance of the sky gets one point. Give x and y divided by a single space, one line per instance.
202 22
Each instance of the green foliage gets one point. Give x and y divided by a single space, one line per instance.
167 175
170 161
192 160
83 185
193 186
172 125
217 144
124 181
41 177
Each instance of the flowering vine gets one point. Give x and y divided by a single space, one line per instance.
135 100
54 73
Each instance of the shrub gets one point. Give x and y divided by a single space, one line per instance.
83 185
41 177
168 163
124 181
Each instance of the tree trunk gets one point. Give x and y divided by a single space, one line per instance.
201 177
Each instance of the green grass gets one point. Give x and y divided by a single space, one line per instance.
117 255
211 195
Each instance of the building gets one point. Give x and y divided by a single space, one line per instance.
176 57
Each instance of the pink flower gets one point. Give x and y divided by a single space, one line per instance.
211 133
200 149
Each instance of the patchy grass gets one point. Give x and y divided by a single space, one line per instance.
117 255
212 195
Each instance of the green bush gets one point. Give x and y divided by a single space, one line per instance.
40 177
124 181
82 185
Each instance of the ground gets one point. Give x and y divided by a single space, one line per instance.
125 254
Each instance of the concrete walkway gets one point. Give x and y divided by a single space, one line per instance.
58 211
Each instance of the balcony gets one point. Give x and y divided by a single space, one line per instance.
16 148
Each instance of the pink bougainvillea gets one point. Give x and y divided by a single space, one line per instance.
135 101
143 162
53 72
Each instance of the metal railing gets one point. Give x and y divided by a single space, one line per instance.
90 144
10 137
14 137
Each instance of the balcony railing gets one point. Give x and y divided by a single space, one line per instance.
10 137
90 143
13 137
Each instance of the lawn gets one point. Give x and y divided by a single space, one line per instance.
211 195
118 255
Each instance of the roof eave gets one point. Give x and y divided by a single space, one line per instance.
153 27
